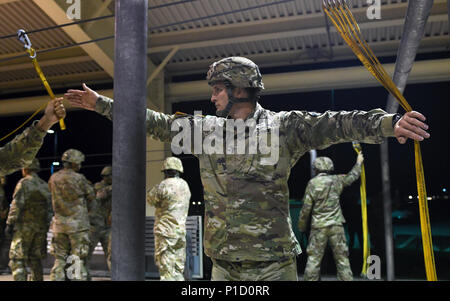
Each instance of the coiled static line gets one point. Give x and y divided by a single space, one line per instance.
342 18
365 227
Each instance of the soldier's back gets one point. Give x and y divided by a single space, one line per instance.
35 210
172 210
326 193
69 199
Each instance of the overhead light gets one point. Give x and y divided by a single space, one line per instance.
51 131
55 163
410 197
444 190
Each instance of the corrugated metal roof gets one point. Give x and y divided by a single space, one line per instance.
270 32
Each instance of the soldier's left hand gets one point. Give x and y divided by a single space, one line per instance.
412 126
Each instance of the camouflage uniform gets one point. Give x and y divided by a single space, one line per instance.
30 213
171 200
99 217
71 192
21 150
321 201
246 201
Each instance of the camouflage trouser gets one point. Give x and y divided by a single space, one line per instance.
28 248
62 248
170 257
318 239
282 270
102 236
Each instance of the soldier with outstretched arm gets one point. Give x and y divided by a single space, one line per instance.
248 229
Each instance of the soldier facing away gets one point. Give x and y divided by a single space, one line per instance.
248 229
321 202
28 222
71 193
100 215
171 200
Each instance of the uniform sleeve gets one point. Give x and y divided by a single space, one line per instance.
18 202
158 125
309 130
103 192
20 151
153 198
308 201
353 175
90 192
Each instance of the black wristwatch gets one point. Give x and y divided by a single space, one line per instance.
396 118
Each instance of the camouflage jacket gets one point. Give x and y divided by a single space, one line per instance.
20 151
246 199
321 199
171 201
31 205
71 193
100 211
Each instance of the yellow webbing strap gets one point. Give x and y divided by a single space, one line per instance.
365 227
26 121
32 54
342 18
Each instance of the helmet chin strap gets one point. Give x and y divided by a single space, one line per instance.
231 101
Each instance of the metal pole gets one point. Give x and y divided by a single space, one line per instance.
387 212
413 30
129 140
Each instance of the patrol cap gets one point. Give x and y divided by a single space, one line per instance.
73 156
239 71
172 163
323 164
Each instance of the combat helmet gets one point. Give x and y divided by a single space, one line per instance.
106 171
73 156
172 163
323 164
35 165
238 72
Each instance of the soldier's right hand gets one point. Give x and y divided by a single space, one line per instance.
85 99
360 158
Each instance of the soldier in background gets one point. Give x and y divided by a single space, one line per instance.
171 200
28 222
321 201
71 193
248 229
99 214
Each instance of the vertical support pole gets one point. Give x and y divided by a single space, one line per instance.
413 30
387 212
129 140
